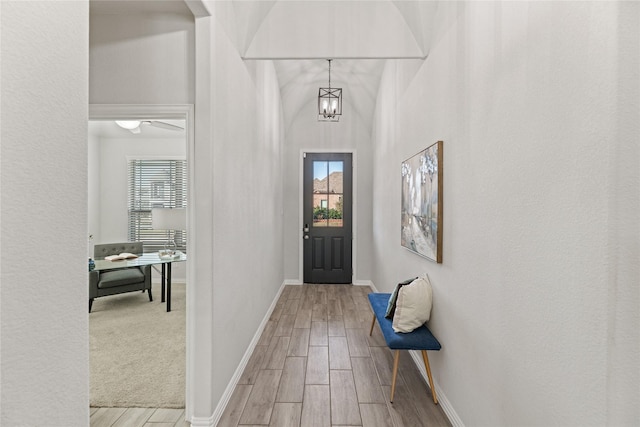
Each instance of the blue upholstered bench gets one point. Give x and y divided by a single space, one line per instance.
420 339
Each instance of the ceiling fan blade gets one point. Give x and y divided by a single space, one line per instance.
164 125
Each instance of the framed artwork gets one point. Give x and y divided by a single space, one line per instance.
421 210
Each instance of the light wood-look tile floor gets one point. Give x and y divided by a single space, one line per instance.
316 365
137 417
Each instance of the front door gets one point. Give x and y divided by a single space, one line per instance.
327 217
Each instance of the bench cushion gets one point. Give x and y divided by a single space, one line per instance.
125 276
419 339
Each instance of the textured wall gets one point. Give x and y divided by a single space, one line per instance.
43 197
246 127
536 302
142 59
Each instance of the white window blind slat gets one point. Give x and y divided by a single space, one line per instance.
155 184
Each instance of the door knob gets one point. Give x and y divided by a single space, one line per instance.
306 237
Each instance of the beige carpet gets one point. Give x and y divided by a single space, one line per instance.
137 350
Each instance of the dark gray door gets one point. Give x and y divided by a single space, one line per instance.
327 213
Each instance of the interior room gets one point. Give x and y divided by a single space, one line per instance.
127 330
535 300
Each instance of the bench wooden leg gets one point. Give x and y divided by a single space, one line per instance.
426 365
396 359
373 322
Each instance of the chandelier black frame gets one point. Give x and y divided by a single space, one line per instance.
329 102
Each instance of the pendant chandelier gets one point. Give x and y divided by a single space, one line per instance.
329 102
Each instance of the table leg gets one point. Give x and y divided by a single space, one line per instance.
168 287
163 276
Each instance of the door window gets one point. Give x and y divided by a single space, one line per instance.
328 193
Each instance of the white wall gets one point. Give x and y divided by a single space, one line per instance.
94 196
306 133
44 353
246 128
113 155
536 302
141 58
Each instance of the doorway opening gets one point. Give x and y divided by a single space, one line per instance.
164 135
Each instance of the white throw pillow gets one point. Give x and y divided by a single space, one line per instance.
413 305
391 305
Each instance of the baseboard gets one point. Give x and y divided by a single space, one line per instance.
355 283
224 400
365 283
201 422
454 419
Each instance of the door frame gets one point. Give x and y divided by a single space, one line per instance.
354 207
178 112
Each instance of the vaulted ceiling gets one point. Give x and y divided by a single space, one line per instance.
300 35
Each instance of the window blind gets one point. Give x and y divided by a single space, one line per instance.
156 184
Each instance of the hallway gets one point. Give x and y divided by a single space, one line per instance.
315 365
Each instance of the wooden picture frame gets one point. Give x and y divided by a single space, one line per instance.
421 205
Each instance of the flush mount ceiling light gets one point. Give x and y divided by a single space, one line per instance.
134 125
329 102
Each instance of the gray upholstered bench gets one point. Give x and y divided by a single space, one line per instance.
420 339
